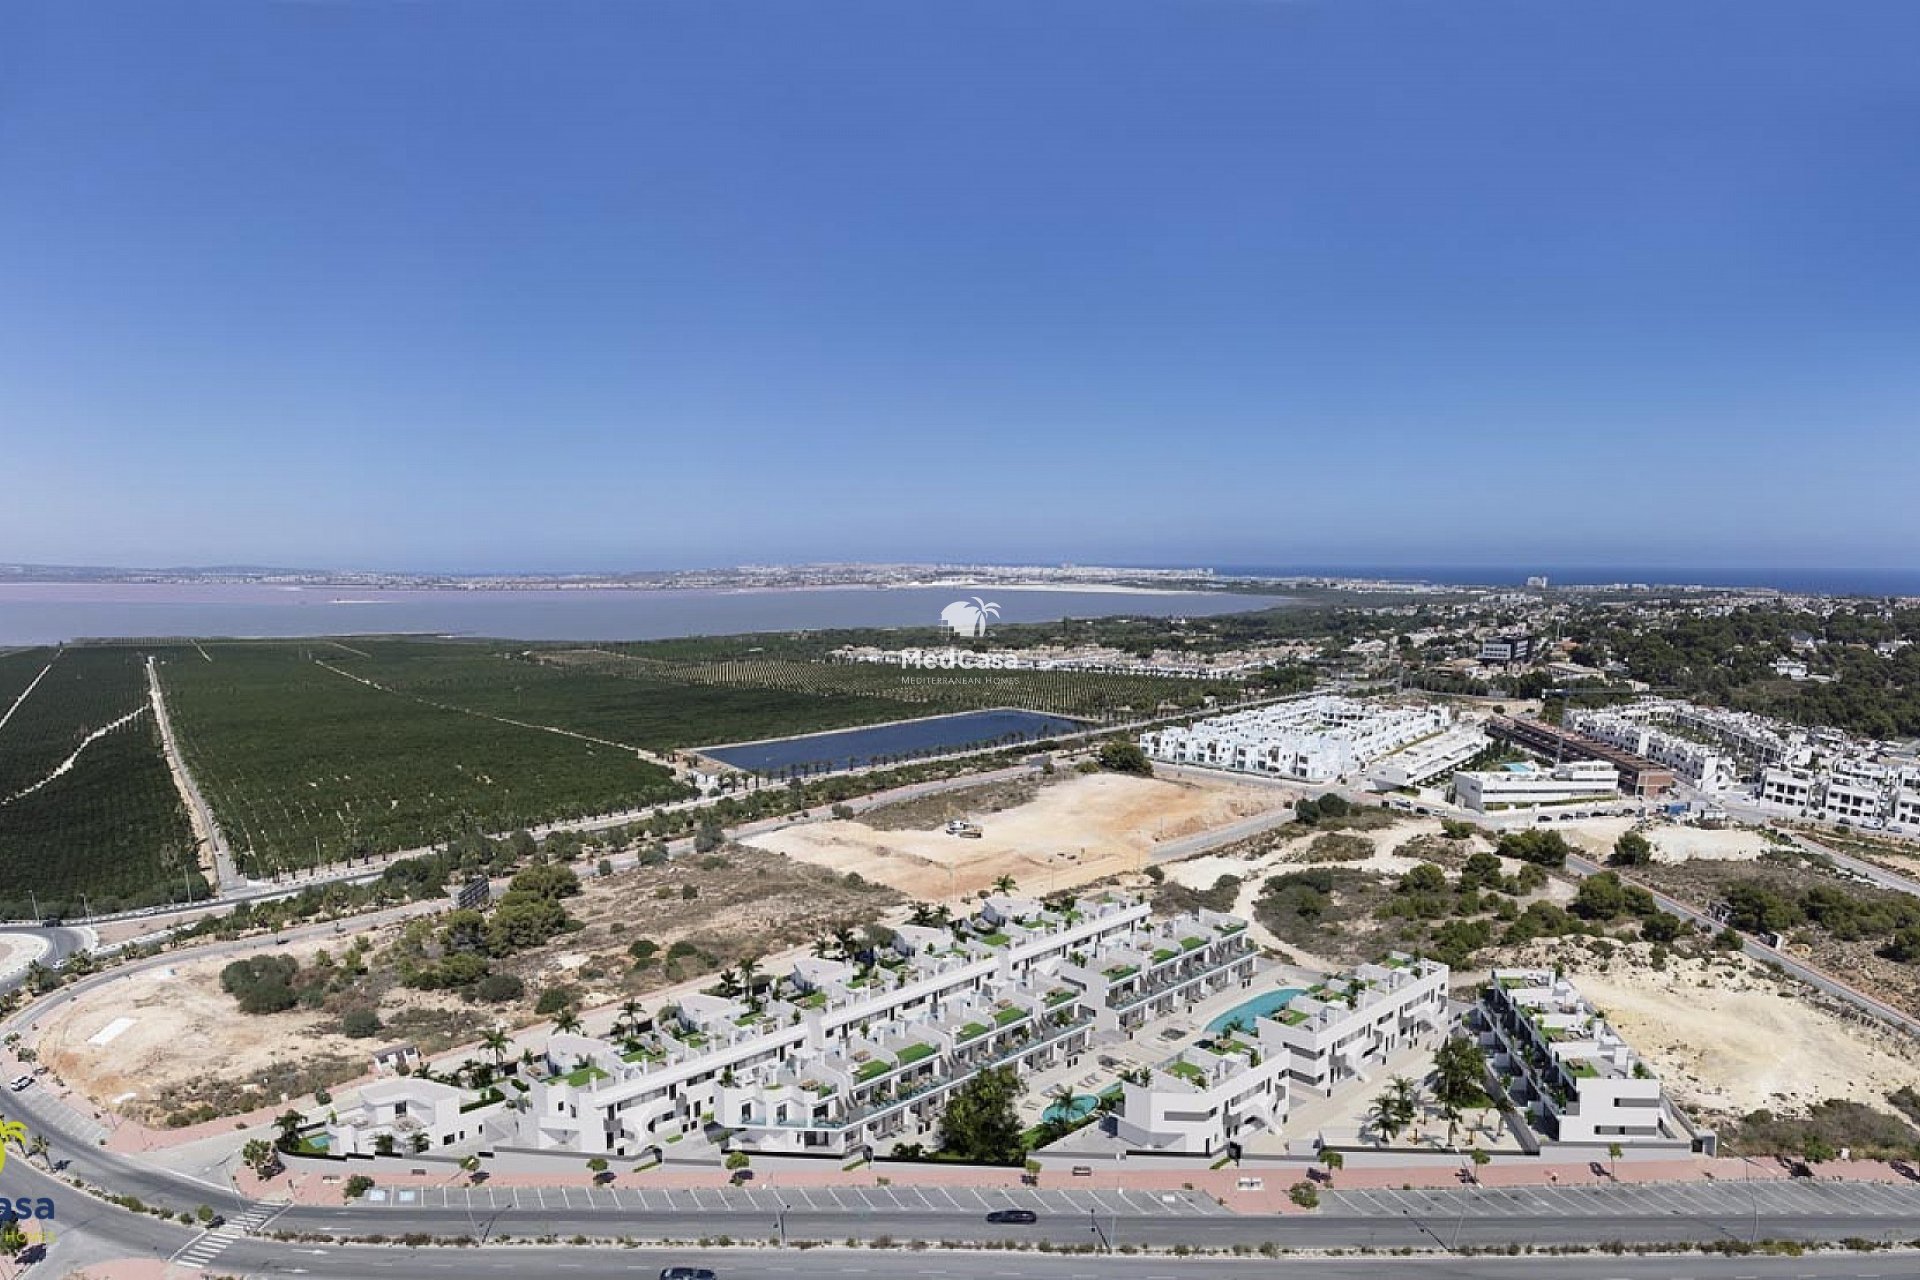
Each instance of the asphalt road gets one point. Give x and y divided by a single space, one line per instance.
831 1264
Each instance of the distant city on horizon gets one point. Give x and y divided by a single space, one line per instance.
1809 580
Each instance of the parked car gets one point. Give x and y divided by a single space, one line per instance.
1023 1216
19 1082
686 1273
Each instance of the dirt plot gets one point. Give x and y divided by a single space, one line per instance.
1074 829
1672 842
1702 883
172 1044
187 1040
1727 1038
744 902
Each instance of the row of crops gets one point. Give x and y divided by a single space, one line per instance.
112 825
1081 694
649 706
303 765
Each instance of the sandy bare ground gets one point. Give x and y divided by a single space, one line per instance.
1671 842
1077 829
184 1027
1728 1039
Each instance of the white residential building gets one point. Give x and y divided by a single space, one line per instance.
1577 1080
839 1055
1694 762
1347 1026
1789 788
412 1116
1205 1099
1516 786
1316 739
1431 758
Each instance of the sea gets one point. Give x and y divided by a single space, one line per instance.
53 613
1819 581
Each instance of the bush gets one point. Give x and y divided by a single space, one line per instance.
358 1185
262 984
1122 755
497 988
736 1160
1631 850
360 1023
1304 1194
554 999
1542 848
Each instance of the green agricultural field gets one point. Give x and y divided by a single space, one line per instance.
18 667
620 702
903 693
111 825
305 764
86 689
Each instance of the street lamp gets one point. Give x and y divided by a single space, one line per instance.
782 1223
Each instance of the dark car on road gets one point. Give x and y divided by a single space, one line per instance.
1013 1215
686 1273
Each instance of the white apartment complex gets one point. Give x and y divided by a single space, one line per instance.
1205 1099
408 1117
1854 789
1560 1061
1432 758
1241 1080
1634 729
1316 739
1346 1026
1524 785
835 1056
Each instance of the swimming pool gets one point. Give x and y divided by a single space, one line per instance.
1264 1005
1082 1104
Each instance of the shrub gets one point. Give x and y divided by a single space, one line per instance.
554 999
360 1023
496 988
358 1185
1304 1194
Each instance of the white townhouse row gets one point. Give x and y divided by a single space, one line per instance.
1892 802
1702 766
837 1055
1241 1081
1316 739
1567 1068
1752 740
411 1117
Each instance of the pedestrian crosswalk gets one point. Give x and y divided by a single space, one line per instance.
211 1243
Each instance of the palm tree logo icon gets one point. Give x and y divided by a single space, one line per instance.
12 1133
969 617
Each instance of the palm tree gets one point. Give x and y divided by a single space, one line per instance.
749 971
629 1021
568 1020
288 1123
1005 884
1333 1160
1060 1101
38 1148
729 982
497 1044
1384 1120
1406 1100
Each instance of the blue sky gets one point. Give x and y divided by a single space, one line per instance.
555 285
